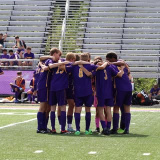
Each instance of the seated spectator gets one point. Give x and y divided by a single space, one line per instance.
155 91
28 55
18 87
30 92
5 56
13 56
2 39
20 44
1 72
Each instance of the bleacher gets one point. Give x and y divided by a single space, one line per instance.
29 19
129 27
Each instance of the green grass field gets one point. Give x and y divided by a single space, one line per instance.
20 141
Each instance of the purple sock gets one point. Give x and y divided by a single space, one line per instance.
69 119
63 120
88 120
77 121
40 120
33 98
29 97
127 120
46 122
108 125
59 120
115 121
16 95
103 124
122 123
52 117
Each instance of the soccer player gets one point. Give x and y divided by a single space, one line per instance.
1 72
155 91
83 92
104 91
5 56
43 86
18 87
28 55
123 95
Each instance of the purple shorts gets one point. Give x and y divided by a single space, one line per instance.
69 93
123 98
87 101
42 95
105 102
57 97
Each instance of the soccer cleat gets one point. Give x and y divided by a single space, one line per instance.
53 131
33 102
126 132
88 132
42 131
113 131
97 130
106 131
77 133
64 132
120 130
16 101
70 129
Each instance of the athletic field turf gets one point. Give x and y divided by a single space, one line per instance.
19 140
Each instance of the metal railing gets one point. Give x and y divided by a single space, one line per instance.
64 25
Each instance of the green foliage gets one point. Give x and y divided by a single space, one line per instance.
144 83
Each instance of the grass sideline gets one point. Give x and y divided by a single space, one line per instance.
21 141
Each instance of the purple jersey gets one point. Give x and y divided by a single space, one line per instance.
122 83
104 83
154 92
44 77
82 83
5 56
59 79
12 56
29 55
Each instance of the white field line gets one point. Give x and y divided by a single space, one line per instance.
14 124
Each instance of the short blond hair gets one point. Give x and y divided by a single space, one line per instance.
55 50
84 57
70 56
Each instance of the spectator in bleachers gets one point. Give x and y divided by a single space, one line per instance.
18 87
20 44
13 56
155 91
28 55
2 39
5 56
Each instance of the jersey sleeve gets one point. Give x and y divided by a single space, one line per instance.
113 71
48 61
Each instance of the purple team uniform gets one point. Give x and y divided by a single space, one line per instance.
29 56
123 89
70 89
154 92
43 84
5 56
36 76
104 86
13 57
82 85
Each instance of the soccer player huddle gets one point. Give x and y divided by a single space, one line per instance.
76 81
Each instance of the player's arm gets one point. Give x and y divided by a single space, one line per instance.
89 74
103 66
80 62
54 65
118 63
43 58
121 72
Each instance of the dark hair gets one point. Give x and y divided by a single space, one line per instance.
77 57
1 34
28 48
4 50
10 51
55 50
111 55
19 73
16 37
